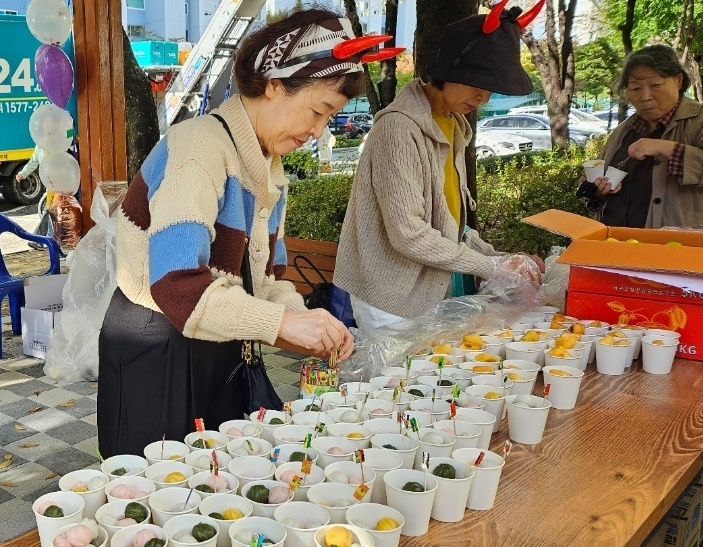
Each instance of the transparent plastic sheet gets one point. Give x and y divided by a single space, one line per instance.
73 351
556 279
501 301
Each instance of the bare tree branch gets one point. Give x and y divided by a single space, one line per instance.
353 16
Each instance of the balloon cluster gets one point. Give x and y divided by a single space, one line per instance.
50 125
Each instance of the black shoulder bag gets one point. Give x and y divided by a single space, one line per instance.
320 295
261 390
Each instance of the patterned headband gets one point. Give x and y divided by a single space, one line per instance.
325 49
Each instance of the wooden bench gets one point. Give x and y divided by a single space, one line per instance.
323 254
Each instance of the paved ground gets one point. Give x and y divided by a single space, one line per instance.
48 428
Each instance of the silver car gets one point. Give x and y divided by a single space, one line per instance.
534 127
492 144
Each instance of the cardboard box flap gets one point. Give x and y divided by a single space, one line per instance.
568 224
44 292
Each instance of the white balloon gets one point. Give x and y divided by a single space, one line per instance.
49 21
51 128
59 172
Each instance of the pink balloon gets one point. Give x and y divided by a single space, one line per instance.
54 73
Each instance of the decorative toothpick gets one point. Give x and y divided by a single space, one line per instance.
261 415
200 428
215 464
415 428
185 504
507 447
343 392
100 456
359 458
399 416
257 540
425 466
479 459
434 394
547 389
319 428
440 367
288 408
408 364
452 414
361 410
163 442
275 454
306 445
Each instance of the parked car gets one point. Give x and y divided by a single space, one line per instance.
576 117
358 124
612 114
491 144
536 128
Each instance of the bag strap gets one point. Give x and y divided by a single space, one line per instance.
247 281
303 258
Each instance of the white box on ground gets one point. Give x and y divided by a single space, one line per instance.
41 312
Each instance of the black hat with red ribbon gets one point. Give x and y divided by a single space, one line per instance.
483 51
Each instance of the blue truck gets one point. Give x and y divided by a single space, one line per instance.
20 95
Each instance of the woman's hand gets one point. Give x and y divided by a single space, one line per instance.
651 147
603 187
317 330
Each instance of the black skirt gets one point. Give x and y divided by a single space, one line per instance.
153 381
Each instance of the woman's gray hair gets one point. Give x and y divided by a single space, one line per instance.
658 57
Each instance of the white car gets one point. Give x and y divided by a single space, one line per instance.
493 144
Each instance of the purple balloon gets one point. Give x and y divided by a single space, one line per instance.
54 73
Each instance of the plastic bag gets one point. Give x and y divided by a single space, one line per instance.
501 301
73 350
66 215
556 279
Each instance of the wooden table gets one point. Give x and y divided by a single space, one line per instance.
605 473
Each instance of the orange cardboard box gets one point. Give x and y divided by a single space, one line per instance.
626 298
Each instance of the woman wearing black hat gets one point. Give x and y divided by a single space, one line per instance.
404 231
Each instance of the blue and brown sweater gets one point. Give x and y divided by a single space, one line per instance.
182 228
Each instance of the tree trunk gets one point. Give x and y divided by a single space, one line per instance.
554 58
142 123
388 83
353 16
432 17
626 31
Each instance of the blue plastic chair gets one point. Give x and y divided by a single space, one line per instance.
12 286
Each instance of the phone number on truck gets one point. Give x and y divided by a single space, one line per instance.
23 105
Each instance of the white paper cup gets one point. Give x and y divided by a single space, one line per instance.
377 408
116 509
480 368
251 468
203 476
565 389
93 498
526 382
170 502
483 419
301 405
125 536
439 410
310 419
658 359
72 505
180 524
218 503
663 333
526 425
358 388
249 446
324 444
159 471
523 351
172 451
367 516
595 169
100 541
382 425
214 440
520 364
494 406
201 460
352 471
613 360
336 399
399 372
291 434
574 359
415 506
466 434
402 402
316 476
240 428
615 176
267 428
335 498
426 390
381 460
343 431
282 453
345 414
634 335
359 535
135 466
424 419
434 447
265 509
452 494
495 345
267 527
137 484
301 520
406 447
484 485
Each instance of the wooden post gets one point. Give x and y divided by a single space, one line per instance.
97 29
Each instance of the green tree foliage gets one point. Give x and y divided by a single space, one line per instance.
598 66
